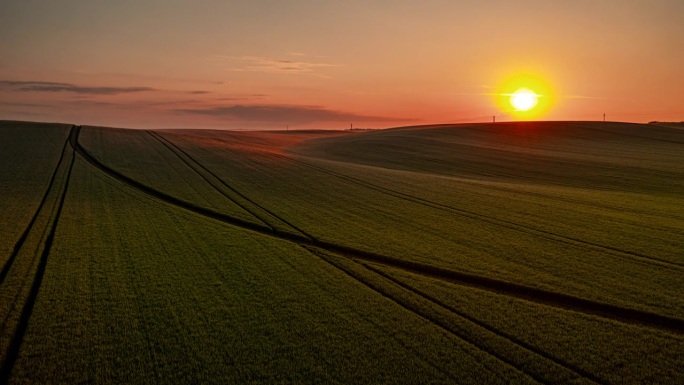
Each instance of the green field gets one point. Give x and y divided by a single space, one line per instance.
546 252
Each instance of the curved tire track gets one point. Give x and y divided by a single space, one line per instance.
579 371
200 165
20 242
445 325
27 310
554 299
174 149
263 229
572 241
495 221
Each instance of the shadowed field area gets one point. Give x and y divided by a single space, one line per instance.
545 252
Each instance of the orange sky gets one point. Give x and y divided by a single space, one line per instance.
323 64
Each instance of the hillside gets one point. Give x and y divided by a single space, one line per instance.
595 155
510 253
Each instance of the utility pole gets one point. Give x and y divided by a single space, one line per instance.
604 117
351 126
493 118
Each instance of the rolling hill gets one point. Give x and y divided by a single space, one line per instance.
546 252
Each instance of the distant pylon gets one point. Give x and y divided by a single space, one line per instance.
493 118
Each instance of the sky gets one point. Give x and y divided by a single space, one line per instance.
266 64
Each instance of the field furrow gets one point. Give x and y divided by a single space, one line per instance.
491 220
20 242
29 155
340 212
168 198
267 217
644 355
142 158
508 253
556 299
195 300
578 371
17 317
539 366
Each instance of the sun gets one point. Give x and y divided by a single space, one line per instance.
524 99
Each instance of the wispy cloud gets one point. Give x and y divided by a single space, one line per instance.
242 98
473 94
509 94
273 65
581 97
40 86
285 113
35 105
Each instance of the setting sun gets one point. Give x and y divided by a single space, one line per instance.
525 97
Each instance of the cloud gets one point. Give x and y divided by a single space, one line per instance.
39 86
285 114
270 65
36 105
581 97
243 98
474 94
199 92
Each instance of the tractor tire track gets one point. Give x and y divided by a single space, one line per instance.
577 370
159 195
528 293
406 304
174 150
19 276
610 250
195 161
550 298
20 242
489 173
572 241
27 310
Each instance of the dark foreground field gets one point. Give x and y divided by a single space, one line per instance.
476 254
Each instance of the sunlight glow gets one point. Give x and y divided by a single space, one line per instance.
524 97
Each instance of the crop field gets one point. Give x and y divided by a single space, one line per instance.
508 253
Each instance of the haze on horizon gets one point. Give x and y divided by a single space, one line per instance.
313 64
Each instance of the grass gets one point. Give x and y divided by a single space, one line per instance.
613 351
170 296
144 158
25 175
471 230
508 253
